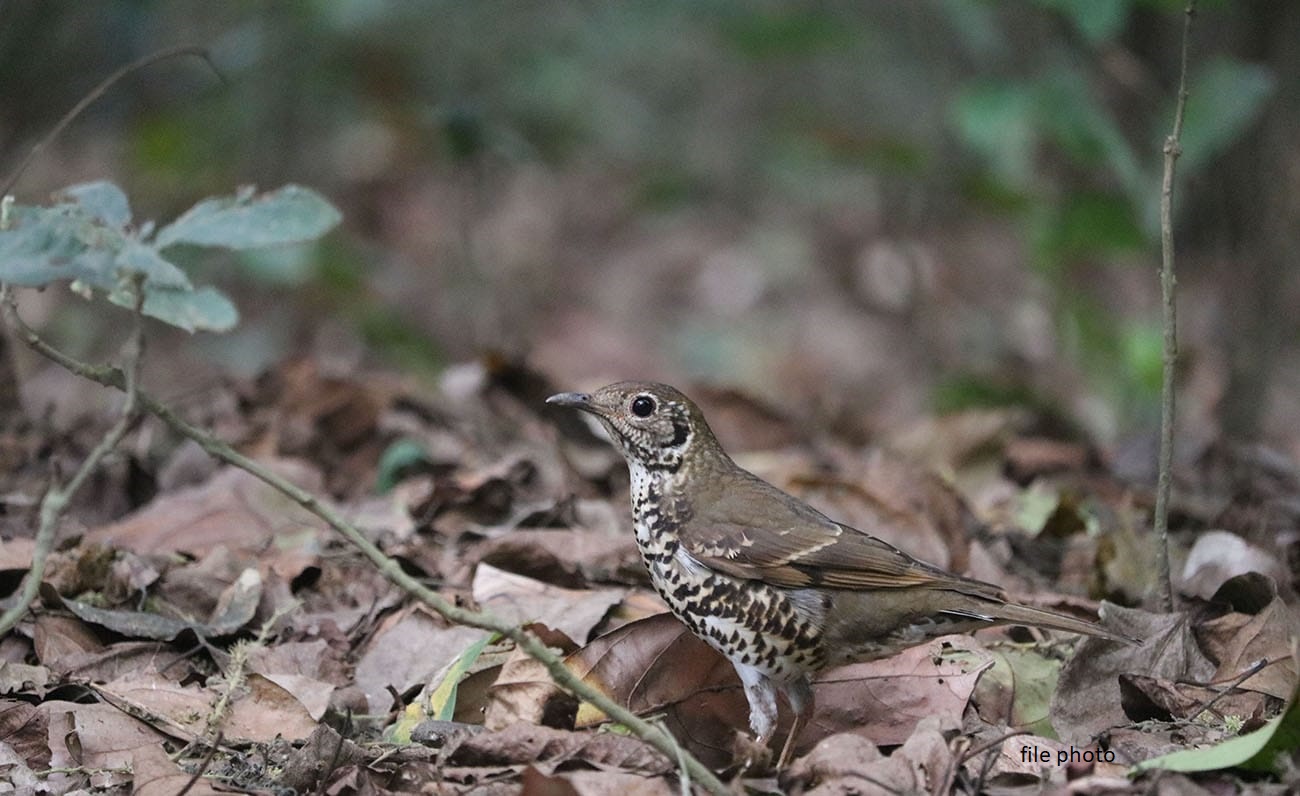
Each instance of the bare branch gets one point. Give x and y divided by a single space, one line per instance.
1172 149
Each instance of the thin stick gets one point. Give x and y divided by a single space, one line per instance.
96 93
1172 150
560 674
1252 670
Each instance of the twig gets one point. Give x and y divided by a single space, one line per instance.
57 498
998 741
529 643
1172 149
96 93
203 766
1252 670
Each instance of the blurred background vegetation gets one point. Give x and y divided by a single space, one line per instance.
870 212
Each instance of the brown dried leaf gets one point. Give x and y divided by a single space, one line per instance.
572 558
1146 698
57 638
1087 698
657 665
260 712
594 783
524 600
525 744
406 651
16 554
23 678
232 509
117 660
1236 641
524 692
325 751
93 735
845 764
25 729
154 774
234 610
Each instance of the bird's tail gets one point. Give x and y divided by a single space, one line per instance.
1017 614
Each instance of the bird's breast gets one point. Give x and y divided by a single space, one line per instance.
748 621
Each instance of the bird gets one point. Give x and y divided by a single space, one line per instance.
779 588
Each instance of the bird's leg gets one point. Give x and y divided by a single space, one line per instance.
760 692
800 694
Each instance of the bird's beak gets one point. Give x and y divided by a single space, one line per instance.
573 400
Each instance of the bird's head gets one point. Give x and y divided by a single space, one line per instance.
654 425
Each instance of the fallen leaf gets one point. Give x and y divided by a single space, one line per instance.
154 774
522 600
1217 556
1087 698
1016 691
261 711
323 753
656 665
406 651
571 558
234 610
233 509
1236 641
24 728
23 678
1153 698
524 744
841 764
1268 749
94 735
56 638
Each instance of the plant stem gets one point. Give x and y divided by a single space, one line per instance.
1172 149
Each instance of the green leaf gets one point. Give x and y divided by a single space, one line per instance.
1088 224
141 258
1029 678
291 214
205 309
45 245
997 120
442 702
34 252
397 460
102 201
1263 750
1225 98
1144 355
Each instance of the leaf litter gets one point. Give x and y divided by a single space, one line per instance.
216 605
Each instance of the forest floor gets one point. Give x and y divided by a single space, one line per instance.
192 619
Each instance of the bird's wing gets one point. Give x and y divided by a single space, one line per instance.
755 531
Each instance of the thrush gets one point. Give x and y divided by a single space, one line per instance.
776 586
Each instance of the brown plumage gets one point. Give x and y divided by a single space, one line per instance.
773 584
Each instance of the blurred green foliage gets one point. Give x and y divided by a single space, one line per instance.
1050 113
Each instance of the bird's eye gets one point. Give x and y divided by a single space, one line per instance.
643 406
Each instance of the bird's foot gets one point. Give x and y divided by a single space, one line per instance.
752 754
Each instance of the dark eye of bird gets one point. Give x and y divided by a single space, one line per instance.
643 406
